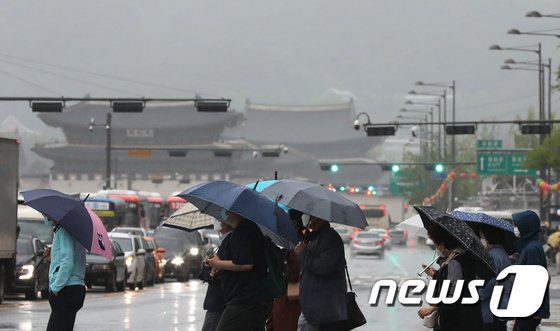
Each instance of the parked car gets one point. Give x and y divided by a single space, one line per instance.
344 233
31 223
32 270
388 243
148 244
398 236
111 274
131 230
367 243
184 252
134 258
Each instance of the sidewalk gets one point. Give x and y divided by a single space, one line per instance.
553 323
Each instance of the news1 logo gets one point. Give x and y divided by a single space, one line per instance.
525 285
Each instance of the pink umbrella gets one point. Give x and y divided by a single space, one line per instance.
100 244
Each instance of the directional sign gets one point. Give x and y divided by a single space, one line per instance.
488 144
503 164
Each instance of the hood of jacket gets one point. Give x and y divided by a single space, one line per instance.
529 225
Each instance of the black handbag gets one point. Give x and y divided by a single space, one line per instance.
355 316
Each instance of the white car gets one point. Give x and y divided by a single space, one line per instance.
134 255
131 230
388 242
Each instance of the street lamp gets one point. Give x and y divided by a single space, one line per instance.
108 128
534 33
438 105
426 111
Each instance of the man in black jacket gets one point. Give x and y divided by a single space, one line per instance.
322 285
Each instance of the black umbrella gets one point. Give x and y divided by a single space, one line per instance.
484 265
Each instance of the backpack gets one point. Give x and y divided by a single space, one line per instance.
275 280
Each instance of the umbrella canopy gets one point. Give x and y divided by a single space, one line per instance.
414 226
484 265
317 200
483 219
213 197
189 218
81 222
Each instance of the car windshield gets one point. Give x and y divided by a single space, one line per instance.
367 236
125 243
136 232
25 247
171 245
341 230
37 229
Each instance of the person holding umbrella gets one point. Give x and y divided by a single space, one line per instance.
76 229
531 253
243 268
464 258
67 289
322 290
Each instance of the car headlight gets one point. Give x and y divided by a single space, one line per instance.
100 267
26 271
129 261
177 260
193 251
164 261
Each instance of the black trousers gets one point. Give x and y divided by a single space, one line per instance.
65 306
250 317
495 326
526 324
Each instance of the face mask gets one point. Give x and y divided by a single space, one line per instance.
305 218
217 225
484 242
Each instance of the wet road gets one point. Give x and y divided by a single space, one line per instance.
178 306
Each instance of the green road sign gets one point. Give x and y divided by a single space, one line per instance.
401 182
503 164
488 143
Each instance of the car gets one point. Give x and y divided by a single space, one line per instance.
388 242
111 274
149 245
131 230
184 252
134 258
32 269
344 233
398 236
31 223
367 243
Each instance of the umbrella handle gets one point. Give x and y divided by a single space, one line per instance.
429 265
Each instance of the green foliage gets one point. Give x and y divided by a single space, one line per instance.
525 141
547 155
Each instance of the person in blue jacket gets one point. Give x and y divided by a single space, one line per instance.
66 280
531 253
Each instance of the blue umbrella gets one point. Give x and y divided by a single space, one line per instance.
261 186
213 197
73 216
483 219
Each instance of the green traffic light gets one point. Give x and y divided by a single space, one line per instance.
334 168
342 188
371 188
395 168
438 167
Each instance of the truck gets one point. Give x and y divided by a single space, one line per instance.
9 176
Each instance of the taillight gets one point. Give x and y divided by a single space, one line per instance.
404 234
379 243
356 241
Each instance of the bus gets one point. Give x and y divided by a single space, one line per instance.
173 204
134 206
111 211
155 208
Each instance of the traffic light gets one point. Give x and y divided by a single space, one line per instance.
334 168
395 168
438 167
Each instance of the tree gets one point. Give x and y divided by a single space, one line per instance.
547 155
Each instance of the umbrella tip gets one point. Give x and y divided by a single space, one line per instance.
87 196
256 184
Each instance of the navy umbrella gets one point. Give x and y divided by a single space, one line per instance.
213 197
79 221
484 265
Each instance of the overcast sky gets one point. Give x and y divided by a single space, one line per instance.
287 52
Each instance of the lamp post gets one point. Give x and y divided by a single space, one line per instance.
452 86
536 14
426 111
442 95
423 133
438 105
108 129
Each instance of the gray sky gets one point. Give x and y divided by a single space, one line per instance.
276 51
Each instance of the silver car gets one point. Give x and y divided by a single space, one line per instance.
367 243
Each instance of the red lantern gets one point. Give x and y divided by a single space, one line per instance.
473 175
463 175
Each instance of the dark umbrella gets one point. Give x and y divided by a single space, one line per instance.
212 198
79 221
478 220
484 265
